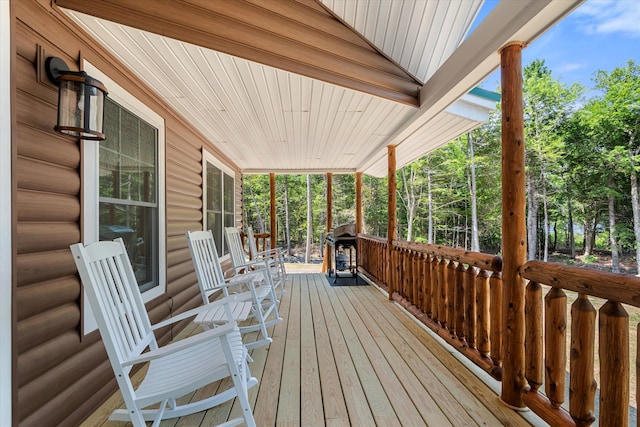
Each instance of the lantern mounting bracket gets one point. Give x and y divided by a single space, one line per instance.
55 66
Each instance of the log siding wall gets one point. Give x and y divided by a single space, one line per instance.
61 376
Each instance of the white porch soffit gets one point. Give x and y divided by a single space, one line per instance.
267 119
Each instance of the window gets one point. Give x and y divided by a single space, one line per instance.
128 203
218 200
123 188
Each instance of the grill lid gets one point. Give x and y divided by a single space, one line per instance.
347 230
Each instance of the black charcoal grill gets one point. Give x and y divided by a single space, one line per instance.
343 241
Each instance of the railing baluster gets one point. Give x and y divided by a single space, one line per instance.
534 337
426 284
435 290
495 282
638 373
471 307
407 274
482 301
412 278
614 365
442 291
556 345
417 280
582 385
451 296
459 308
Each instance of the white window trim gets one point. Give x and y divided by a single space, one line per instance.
207 157
6 58
90 189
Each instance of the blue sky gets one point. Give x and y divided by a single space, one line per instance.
598 35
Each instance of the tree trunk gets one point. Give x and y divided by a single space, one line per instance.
589 234
572 239
261 224
635 204
307 251
431 236
475 240
545 254
410 201
613 239
532 216
287 226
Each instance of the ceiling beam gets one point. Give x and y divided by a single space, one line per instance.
296 36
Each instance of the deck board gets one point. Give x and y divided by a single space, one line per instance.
347 356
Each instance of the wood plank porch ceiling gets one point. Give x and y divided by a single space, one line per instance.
315 86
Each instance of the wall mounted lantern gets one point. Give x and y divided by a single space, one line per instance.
80 101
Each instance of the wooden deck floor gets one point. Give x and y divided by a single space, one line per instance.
345 355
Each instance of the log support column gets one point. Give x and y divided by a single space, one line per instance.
391 209
514 236
272 187
326 264
358 202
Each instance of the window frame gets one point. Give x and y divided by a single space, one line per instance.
91 194
208 157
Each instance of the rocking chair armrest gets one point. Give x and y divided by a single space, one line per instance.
193 312
275 253
239 279
251 264
177 346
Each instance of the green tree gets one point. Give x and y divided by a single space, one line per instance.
547 103
617 113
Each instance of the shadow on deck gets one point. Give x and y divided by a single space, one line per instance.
345 355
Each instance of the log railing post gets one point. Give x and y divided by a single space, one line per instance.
495 283
272 188
514 238
326 264
582 385
435 289
556 346
459 310
426 298
614 365
451 287
421 281
358 202
483 339
391 207
442 292
534 358
471 312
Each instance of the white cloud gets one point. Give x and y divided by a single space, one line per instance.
610 16
570 66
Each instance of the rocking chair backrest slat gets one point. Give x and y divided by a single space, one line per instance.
253 248
113 293
236 251
205 259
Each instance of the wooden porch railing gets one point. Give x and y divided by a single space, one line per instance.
546 343
458 294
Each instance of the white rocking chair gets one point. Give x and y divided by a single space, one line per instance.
274 256
253 286
174 370
241 264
